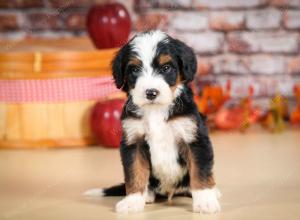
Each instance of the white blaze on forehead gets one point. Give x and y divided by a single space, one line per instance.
145 46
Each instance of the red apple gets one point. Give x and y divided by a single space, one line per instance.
106 123
108 25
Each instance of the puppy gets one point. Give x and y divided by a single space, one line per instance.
165 148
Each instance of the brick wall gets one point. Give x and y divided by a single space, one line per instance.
253 42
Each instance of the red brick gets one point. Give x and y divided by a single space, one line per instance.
237 44
72 3
8 21
231 64
294 65
286 3
227 20
203 43
43 21
153 20
141 5
267 64
270 42
204 66
189 21
220 4
21 3
263 19
76 21
292 19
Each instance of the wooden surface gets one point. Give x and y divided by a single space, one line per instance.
257 173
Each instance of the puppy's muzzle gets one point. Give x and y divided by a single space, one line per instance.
151 94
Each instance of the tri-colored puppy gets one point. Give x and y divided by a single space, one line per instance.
165 148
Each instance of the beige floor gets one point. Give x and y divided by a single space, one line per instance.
258 174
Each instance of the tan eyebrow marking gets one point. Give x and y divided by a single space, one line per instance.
164 58
134 61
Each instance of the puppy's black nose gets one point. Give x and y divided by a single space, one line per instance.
151 93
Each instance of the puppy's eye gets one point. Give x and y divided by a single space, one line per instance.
134 69
166 68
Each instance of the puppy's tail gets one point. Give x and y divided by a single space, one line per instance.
118 190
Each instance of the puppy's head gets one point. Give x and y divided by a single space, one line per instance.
153 67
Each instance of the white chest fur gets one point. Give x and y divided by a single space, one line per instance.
161 135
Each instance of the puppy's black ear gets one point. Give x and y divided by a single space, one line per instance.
118 66
187 60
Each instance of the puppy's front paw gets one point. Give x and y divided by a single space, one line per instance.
206 200
149 196
131 203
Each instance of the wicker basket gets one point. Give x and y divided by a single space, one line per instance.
46 95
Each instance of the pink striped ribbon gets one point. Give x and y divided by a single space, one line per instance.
56 90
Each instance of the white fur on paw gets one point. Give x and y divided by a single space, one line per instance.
206 200
131 203
149 196
94 192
